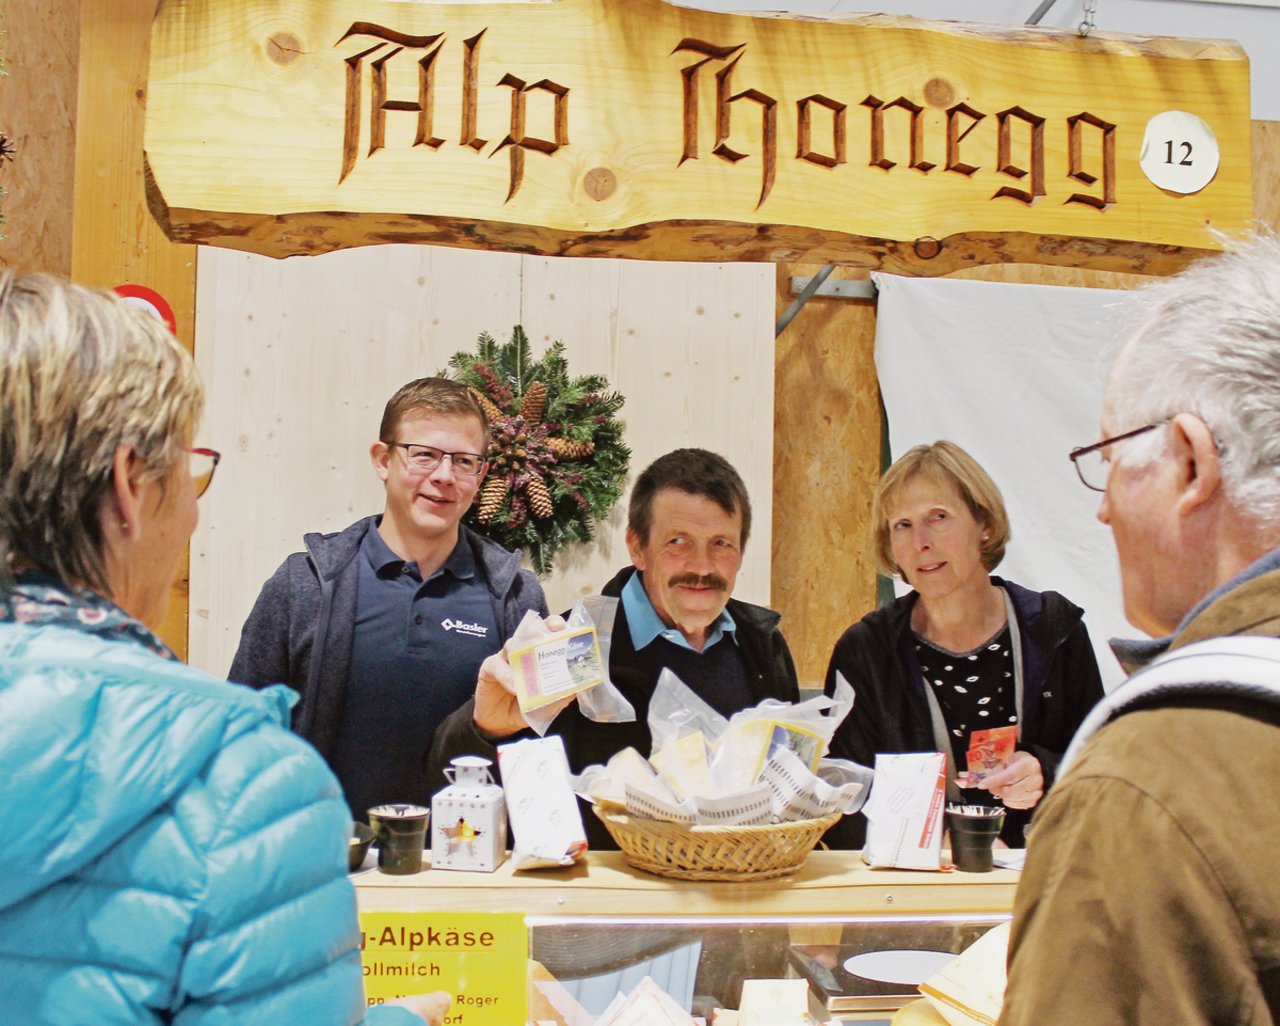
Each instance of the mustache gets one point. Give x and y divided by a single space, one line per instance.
699 581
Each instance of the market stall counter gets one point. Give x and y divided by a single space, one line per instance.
544 946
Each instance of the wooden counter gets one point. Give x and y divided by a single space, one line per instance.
830 884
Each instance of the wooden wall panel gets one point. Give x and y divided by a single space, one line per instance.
38 101
1266 173
689 345
299 357
827 446
114 237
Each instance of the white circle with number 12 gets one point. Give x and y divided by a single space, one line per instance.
1179 152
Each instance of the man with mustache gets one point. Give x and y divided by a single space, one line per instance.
687 525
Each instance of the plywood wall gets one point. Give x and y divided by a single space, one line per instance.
38 100
827 444
300 355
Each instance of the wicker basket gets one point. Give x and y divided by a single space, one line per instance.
714 852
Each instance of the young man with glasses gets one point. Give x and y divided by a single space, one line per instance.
1149 895
382 627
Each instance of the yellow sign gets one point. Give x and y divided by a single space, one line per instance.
640 128
480 958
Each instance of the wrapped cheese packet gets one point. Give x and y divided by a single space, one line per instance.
549 666
763 765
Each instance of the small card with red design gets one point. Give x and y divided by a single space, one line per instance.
989 751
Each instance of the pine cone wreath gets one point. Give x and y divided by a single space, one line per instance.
539 497
491 411
569 449
491 496
551 434
534 404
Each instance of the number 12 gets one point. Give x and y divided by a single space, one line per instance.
1186 153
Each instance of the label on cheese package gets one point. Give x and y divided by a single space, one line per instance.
556 667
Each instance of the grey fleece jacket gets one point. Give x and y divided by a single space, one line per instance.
301 628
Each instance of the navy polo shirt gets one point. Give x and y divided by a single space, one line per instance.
416 651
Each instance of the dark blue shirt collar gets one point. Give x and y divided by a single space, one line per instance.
461 562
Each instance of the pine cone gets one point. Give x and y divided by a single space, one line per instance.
491 496
490 408
539 497
569 449
534 404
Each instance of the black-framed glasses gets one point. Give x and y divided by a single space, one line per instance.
1091 465
203 463
423 459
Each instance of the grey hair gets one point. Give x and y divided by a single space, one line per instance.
81 373
1207 341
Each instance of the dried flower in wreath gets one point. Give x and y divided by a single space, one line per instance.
557 461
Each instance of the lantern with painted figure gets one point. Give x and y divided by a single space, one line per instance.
469 818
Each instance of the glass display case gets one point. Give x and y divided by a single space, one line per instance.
595 930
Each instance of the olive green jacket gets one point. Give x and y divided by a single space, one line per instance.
1150 893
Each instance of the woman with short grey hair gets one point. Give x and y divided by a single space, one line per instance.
172 854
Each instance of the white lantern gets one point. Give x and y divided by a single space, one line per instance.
469 819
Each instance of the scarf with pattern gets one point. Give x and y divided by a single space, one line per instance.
42 601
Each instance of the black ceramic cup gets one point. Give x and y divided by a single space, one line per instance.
972 838
401 833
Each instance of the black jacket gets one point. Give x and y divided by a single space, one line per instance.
890 713
770 674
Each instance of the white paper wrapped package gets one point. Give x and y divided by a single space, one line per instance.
904 811
541 805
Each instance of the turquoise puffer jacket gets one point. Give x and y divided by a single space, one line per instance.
169 852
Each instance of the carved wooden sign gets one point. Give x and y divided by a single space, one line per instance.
636 128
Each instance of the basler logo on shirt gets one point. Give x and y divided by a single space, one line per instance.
474 630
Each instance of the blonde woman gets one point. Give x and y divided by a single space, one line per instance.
171 853
965 650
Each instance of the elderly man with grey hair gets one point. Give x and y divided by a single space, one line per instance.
1149 894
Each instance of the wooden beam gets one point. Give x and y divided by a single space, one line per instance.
115 240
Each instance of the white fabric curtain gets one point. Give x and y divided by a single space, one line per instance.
1014 375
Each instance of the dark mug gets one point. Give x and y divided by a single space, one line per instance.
972 838
401 834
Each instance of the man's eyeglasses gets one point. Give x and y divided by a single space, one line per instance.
423 459
203 463
1092 466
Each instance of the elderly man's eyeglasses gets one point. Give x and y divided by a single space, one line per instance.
203 463
423 459
1092 466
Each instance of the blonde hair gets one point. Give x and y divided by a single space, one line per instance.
81 373
945 462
